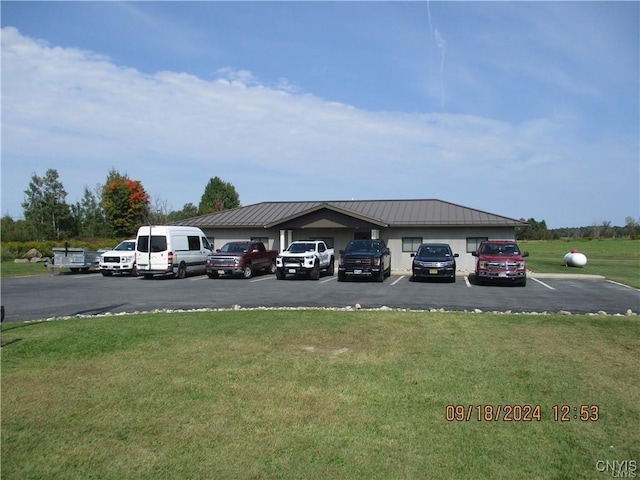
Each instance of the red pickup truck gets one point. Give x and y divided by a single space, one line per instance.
500 261
242 258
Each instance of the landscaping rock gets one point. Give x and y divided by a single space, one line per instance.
32 253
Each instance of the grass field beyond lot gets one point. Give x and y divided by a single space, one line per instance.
318 395
616 259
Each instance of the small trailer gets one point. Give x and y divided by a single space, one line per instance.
74 258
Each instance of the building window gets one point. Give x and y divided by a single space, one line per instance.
411 244
474 242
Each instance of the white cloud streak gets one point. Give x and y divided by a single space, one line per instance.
81 114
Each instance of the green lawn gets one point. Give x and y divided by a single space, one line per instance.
316 395
617 259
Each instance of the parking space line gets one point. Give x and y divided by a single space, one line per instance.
466 280
199 277
328 279
623 285
401 277
542 283
262 279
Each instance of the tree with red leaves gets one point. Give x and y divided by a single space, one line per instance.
125 203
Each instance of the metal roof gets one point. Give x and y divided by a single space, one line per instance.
385 213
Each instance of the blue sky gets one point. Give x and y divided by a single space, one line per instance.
523 109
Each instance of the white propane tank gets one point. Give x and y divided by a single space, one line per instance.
575 259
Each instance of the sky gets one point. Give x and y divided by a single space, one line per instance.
521 109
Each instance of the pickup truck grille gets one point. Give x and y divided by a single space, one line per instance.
358 262
111 259
503 265
223 261
289 261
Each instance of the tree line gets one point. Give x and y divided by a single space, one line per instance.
537 230
115 209
118 207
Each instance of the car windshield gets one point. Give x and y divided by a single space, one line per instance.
364 246
433 251
128 245
500 249
235 247
302 247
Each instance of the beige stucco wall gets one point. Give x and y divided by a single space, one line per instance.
400 261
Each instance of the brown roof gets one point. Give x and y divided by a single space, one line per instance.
384 213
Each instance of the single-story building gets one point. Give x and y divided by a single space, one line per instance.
402 224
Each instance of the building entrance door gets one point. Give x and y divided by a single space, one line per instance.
362 235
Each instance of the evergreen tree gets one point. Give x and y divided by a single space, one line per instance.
90 215
217 196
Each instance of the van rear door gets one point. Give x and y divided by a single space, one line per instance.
151 253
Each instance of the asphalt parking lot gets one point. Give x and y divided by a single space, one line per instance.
64 294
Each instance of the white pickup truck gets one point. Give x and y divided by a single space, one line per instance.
307 257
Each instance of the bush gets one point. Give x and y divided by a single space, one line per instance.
13 250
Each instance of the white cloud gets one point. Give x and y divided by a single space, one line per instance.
81 114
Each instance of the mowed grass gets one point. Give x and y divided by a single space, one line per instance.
616 259
316 395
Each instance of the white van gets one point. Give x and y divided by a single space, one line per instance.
171 250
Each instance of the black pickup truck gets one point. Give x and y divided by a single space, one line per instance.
365 259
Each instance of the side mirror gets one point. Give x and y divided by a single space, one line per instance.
413 254
525 254
218 250
456 255
475 254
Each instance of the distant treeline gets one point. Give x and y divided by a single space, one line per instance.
537 230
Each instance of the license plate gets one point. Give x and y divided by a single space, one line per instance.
357 272
502 275
433 272
292 270
220 272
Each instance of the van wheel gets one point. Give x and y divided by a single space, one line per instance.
247 272
182 271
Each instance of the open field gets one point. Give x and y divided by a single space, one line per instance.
615 259
317 394
11 269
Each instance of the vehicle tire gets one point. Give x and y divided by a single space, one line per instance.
314 274
280 275
106 273
247 271
341 277
212 275
452 279
182 271
272 267
147 276
332 267
381 275
74 270
523 283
